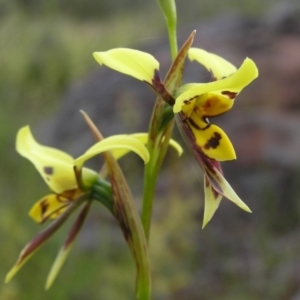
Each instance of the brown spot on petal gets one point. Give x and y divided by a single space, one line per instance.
216 194
187 102
231 95
48 170
213 142
210 186
69 195
193 123
44 206
206 181
62 199
208 103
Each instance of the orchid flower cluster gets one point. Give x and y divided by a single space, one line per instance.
189 105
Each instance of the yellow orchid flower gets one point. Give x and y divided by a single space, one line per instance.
192 105
57 169
197 101
201 101
60 171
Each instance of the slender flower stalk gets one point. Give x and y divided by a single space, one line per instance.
168 8
161 126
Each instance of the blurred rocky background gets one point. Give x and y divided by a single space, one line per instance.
48 75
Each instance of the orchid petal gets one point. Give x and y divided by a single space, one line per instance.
57 265
176 146
114 142
185 87
211 140
212 201
218 66
143 138
213 104
230 86
137 64
55 166
49 207
188 108
225 189
17 266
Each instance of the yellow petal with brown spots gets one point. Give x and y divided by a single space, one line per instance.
49 207
55 166
228 86
212 104
189 106
211 139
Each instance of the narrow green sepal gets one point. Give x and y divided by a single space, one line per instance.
67 246
42 237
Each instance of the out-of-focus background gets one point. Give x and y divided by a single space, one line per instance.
47 73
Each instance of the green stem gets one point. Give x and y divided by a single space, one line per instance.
168 8
103 196
173 41
160 131
150 179
160 127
